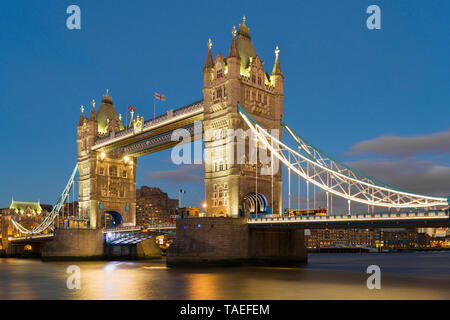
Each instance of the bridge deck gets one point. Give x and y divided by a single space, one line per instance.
380 220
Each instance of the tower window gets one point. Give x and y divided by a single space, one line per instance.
113 171
253 78
259 97
124 174
259 80
253 95
247 94
265 99
101 171
224 91
219 73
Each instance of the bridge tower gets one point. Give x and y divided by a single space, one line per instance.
227 81
107 181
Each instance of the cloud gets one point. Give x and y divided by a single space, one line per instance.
436 143
187 173
423 177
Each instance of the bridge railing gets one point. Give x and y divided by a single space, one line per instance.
432 214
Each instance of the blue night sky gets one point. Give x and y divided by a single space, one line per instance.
376 99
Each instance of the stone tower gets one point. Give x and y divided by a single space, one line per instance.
227 81
107 181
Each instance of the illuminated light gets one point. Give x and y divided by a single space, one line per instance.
102 155
126 159
198 226
184 226
204 205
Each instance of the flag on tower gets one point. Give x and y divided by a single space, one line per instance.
130 108
182 191
160 97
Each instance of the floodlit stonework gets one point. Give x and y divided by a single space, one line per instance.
107 182
239 78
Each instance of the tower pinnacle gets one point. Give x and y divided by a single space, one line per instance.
234 53
81 121
277 67
209 59
93 116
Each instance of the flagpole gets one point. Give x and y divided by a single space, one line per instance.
154 107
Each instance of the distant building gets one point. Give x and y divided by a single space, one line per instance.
153 206
388 238
188 212
26 208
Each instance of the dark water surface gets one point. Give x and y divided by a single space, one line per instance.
416 275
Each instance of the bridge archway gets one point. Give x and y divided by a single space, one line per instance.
254 203
112 219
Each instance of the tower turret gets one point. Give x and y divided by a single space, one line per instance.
277 76
208 69
93 116
233 59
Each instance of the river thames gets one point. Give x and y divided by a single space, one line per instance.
415 275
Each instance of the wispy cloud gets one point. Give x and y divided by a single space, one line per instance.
396 146
424 177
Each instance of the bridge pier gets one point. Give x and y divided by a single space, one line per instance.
218 241
75 244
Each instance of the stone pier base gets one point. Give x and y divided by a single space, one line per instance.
74 245
202 242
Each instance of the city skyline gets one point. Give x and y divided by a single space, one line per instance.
380 94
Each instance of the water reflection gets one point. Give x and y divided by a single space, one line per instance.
327 276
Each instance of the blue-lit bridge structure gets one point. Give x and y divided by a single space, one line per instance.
305 161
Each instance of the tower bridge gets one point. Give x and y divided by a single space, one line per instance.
245 218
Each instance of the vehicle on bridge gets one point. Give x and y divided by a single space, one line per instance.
321 211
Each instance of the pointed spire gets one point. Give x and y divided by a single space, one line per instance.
277 68
209 59
93 116
81 121
234 53
132 119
